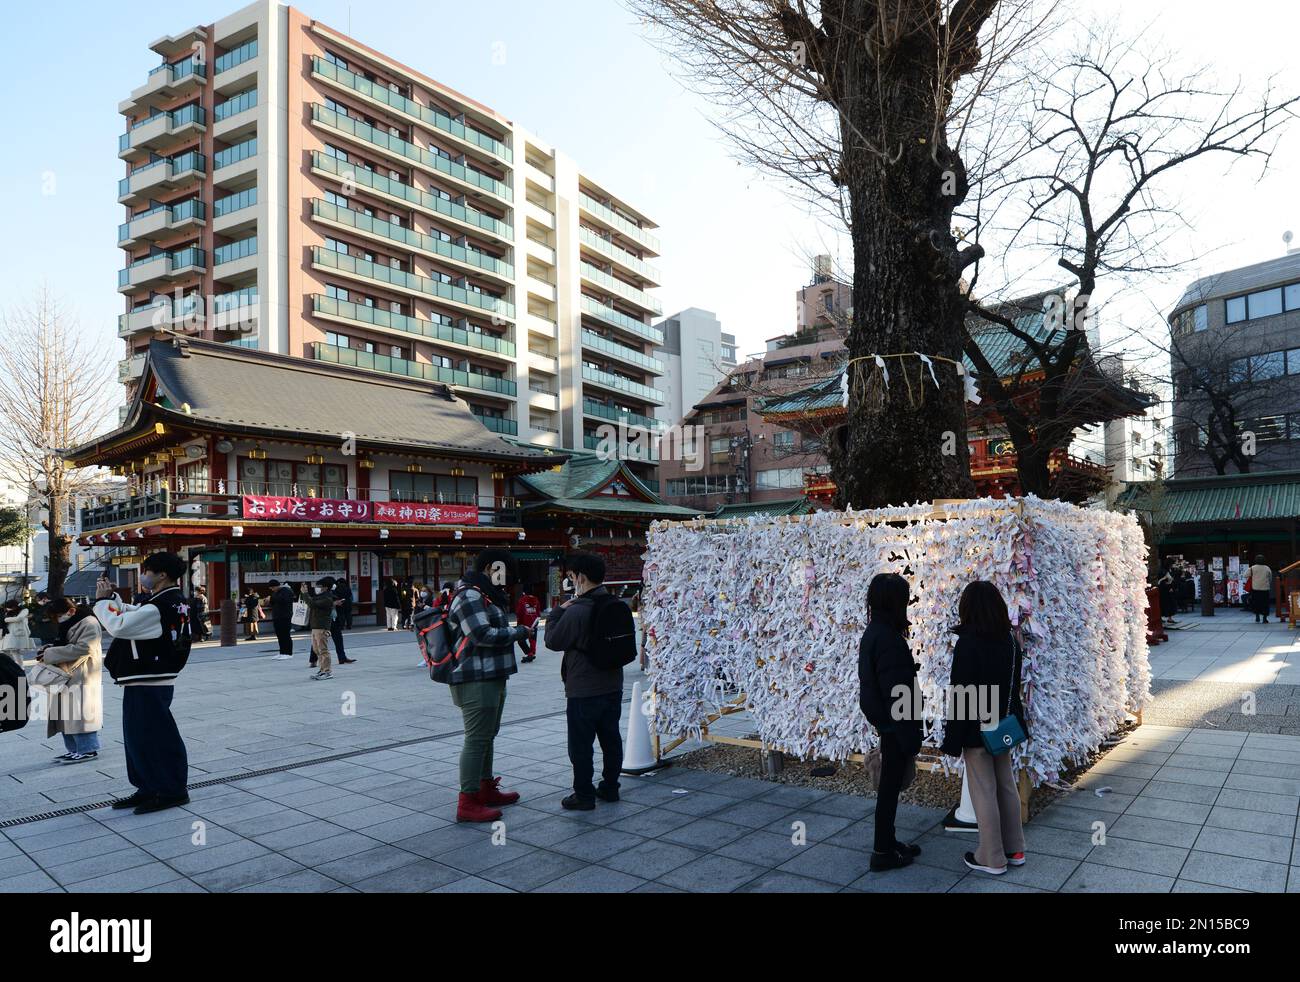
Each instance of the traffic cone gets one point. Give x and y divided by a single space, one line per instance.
638 755
962 818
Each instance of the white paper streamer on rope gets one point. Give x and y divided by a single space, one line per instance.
844 387
730 610
880 363
972 392
930 365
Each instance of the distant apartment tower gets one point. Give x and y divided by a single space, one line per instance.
824 301
290 189
1239 329
697 355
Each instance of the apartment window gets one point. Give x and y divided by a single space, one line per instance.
336 153
336 292
1235 310
334 59
338 340
438 151
1293 361
368 347
1271 365
442 361
1291 296
336 245
1266 303
397 351
784 440
337 107
337 199
780 478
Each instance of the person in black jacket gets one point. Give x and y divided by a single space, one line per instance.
282 617
986 666
888 697
343 590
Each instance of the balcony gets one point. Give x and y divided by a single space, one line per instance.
233 68
235 311
607 216
498 424
236 118
411 369
235 258
235 165
130 368
235 212
470 138
541 326
622 352
182 314
473 260
547 364
620 256
165 83
616 318
610 381
471 219
162 175
153 271
591 407
626 451
162 130
164 221
408 153
346 312
410 283
544 399
611 284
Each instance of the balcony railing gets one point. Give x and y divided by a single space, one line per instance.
414 196
232 107
410 151
593 408
181 69
168 169
236 56
645 392
175 120
498 425
235 250
624 452
234 202
624 290
611 316
208 500
410 281
329 212
175 261
620 255
233 155
418 326
191 210
611 217
592 340
411 369
431 117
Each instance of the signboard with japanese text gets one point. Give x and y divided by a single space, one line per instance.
274 508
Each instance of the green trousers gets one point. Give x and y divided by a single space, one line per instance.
481 704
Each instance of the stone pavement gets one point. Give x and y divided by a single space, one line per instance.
1188 810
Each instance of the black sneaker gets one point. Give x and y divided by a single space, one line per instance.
991 870
64 756
882 861
134 801
575 804
161 804
80 758
607 794
907 849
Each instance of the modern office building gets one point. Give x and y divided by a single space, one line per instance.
697 355
292 190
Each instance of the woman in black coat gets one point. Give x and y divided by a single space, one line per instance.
985 685
887 695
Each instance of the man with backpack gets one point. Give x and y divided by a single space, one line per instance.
151 644
484 642
597 634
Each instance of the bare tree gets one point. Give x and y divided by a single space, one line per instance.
862 106
1107 128
56 392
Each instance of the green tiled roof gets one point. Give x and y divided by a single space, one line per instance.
610 505
581 475
1227 498
792 506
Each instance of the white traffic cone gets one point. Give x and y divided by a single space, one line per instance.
638 755
962 818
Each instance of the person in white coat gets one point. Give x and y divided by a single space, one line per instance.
18 636
77 710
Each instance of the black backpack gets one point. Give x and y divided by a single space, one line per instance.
436 635
611 635
15 698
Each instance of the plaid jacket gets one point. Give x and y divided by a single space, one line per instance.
491 654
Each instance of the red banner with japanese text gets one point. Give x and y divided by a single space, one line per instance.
279 509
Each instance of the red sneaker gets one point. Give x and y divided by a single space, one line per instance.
1015 859
470 809
489 794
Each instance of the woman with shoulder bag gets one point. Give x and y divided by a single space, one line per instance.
986 663
888 698
72 669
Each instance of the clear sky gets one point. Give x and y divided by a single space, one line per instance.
579 74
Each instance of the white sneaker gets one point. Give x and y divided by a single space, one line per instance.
281 657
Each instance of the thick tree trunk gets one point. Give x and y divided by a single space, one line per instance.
60 546
905 442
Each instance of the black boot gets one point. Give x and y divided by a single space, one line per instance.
892 859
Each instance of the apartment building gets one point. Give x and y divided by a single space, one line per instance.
697 355
292 190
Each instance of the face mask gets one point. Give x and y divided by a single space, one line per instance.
148 581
